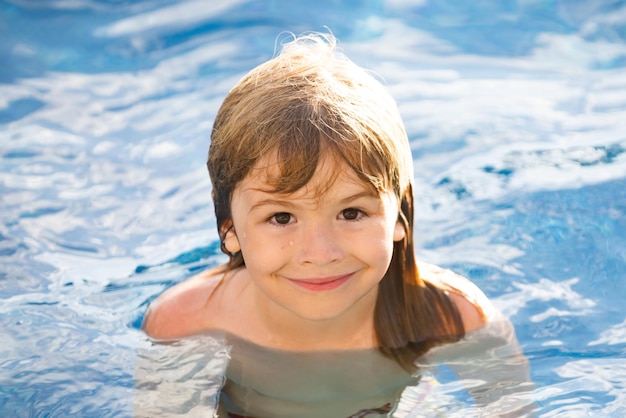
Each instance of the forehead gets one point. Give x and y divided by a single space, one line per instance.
267 174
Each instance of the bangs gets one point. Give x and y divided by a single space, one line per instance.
313 133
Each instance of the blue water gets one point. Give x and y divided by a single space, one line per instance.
517 116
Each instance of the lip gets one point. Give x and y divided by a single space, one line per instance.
322 283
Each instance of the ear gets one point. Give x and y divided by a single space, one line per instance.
399 232
231 242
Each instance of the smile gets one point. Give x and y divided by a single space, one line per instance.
321 284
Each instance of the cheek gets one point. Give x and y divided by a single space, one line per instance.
378 244
263 250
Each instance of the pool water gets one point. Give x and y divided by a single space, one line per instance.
516 113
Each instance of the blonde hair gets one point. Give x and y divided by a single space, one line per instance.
311 100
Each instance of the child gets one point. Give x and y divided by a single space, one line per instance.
311 171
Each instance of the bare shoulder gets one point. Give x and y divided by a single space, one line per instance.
183 309
472 304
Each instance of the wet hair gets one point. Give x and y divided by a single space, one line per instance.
308 102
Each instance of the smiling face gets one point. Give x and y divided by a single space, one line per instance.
317 253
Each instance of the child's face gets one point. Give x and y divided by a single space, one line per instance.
316 255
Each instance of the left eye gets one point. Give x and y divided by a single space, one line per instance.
350 214
282 218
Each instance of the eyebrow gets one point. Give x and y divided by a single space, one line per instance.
285 202
359 195
270 201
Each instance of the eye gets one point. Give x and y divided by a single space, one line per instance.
282 218
351 214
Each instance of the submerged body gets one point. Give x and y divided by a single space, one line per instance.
264 382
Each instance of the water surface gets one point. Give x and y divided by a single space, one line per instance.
516 113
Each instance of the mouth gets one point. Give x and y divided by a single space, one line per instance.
322 283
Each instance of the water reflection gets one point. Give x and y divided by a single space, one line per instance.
516 112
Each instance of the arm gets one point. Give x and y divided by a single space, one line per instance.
183 309
492 368
488 361
178 378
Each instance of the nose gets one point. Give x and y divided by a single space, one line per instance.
319 245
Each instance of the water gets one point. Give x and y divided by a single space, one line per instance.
517 116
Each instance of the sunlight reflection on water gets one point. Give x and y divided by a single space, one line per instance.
516 114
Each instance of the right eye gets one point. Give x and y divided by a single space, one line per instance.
282 218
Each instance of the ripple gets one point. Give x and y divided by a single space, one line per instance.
518 145
20 108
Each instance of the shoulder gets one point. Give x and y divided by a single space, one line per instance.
473 306
183 309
